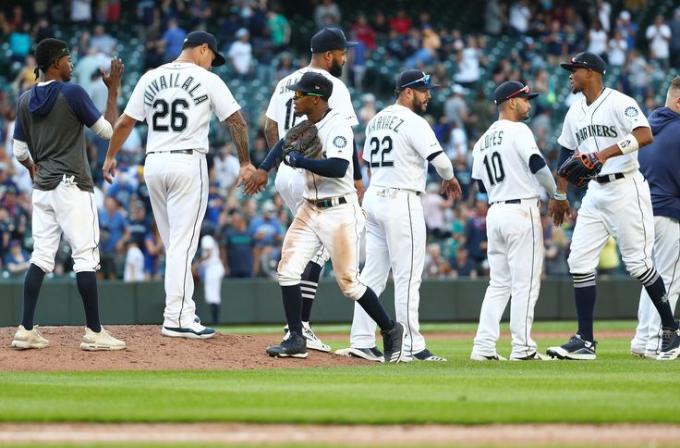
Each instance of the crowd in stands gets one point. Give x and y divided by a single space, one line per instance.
253 33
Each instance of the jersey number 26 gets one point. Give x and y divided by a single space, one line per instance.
178 119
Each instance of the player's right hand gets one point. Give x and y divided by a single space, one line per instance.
109 169
451 188
558 210
256 182
112 79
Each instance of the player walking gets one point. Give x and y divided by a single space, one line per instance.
660 164
49 141
177 101
509 166
329 53
608 128
330 216
399 144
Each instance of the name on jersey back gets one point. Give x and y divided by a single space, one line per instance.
384 123
490 139
171 81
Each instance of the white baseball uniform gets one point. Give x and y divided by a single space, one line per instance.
397 147
329 216
177 100
213 270
622 206
515 236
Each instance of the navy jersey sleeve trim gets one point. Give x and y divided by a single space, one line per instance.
536 162
81 104
355 163
565 153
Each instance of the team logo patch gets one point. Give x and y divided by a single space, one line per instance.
631 112
340 141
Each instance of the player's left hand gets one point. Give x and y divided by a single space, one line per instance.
244 173
109 169
292 158
112 79
451 188
558 210
256 182
359 185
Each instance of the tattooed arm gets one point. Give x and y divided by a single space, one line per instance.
271 132
239 134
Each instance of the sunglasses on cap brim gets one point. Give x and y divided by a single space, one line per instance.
426 81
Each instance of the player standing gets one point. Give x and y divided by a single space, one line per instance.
330 216
329 54
399 144
660 164
49 141
177 100
213 273
609 126
509 166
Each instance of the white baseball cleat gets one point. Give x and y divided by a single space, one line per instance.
193 331
26 339
535 356
494 357
313 342
369 354
101 341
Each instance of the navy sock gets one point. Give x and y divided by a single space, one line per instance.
87 287
584 296
308 284
32 285
370 303
657 292
292 305
215 312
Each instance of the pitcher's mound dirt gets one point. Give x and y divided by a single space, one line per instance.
148 350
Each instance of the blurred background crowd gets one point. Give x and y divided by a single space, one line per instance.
469 47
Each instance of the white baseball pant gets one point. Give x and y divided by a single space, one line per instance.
666 258
70 210
395 239
212 283
178 189
515 253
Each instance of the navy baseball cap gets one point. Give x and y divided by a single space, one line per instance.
512 89
313 84
415 79
196 38
587 60
329 39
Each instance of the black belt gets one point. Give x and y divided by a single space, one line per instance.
510 201
609 178
174 151
327 203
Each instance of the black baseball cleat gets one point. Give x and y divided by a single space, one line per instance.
670 345
293 347
426 355
393 343
577 349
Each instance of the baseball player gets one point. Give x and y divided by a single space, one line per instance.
509 166
660 164
330 216
177 100
329 53
399 144
49 141
606 128
213 273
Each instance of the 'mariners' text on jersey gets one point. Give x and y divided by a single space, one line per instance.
596 130
173 80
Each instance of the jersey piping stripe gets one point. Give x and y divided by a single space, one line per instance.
642 220
358 240
531 279
410 275
670 285
95 249
593 114
193 233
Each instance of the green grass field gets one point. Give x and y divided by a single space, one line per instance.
615 388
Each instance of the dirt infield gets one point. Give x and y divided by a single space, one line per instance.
413 435
148 350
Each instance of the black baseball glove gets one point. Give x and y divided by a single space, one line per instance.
303 138
580 168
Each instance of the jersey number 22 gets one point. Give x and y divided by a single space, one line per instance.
383 147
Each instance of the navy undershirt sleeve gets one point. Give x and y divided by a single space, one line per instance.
81 104
274 157
480 185
536 162
355 163
19 129
332 167
565 153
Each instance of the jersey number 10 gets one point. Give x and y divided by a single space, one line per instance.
496 165
383 147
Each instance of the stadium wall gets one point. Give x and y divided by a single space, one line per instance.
258 301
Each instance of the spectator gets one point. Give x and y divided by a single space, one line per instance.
468 61
627 27
241 53
363 32
604 10
238 243
226 167
102 42
638 72
134 264
173 39
153 249
617 49
475 232
401 23
327 14
493 18
609 258
279 30
458 144
675 39
554 42
455 108
43 30
462 265
427 53
98 91
659 37
17 261
112 226
380 25
597 40
433 210
358 58
215 205
199 12
368 109
81 11
435 265
267 233
26 77
20 43
519 17
87 65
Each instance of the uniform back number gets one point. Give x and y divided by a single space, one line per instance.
383 147
178 119
494 169
289 122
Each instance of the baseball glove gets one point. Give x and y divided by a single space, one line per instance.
303 138
580 168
